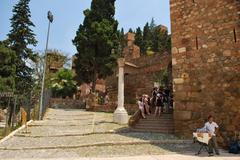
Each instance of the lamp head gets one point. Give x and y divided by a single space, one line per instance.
50 16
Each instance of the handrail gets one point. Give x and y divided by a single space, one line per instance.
134 118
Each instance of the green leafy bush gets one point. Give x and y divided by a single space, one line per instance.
62 84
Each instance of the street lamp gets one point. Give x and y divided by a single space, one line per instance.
50 19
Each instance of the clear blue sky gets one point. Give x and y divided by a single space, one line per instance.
68 14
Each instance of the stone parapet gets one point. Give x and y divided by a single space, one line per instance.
67 103
110 108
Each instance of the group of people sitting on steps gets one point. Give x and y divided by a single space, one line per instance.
161 99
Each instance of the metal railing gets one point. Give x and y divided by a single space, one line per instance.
12 107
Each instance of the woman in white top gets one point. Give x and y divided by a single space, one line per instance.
141 107
146 103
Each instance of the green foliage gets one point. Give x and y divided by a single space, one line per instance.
161 41
152 25
62 84
153 39
139 38
122 40
56 60
1 133
130 30
161 77
146 38
21 37
95 40
7 68
149 51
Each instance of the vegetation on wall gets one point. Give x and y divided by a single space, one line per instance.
162 77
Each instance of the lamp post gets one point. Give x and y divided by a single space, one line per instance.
50 19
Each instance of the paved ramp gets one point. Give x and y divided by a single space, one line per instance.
76 133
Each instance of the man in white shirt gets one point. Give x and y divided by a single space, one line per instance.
211 127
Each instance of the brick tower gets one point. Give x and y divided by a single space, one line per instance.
206 64
131 51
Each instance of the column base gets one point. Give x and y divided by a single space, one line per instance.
120 116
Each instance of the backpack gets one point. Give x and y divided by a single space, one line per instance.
234 147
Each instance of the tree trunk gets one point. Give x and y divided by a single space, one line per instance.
95 72
94 82
10 114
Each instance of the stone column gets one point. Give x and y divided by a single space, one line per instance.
120 115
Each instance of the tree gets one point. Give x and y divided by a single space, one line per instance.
122 31
139 38
121 44
152 25
7 68
21 37
161 41
122 39
155 39
55 61
162 77
95 40
62 83
7 73
37 66
130 30
146 38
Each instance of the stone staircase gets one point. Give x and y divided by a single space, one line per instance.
162 124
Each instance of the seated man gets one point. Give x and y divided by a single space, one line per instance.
211 127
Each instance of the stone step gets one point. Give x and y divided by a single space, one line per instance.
154 125
162 124
153 130
156 120
161 116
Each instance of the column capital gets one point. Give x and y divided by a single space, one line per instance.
121 62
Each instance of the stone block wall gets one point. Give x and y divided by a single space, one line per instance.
138 81
67 103
110 108
206 64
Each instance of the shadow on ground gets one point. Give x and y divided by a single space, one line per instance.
174 145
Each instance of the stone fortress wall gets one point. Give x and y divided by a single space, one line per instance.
206 64
139 80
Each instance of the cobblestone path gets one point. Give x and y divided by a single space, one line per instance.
76 133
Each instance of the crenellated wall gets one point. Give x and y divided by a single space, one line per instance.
206 64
